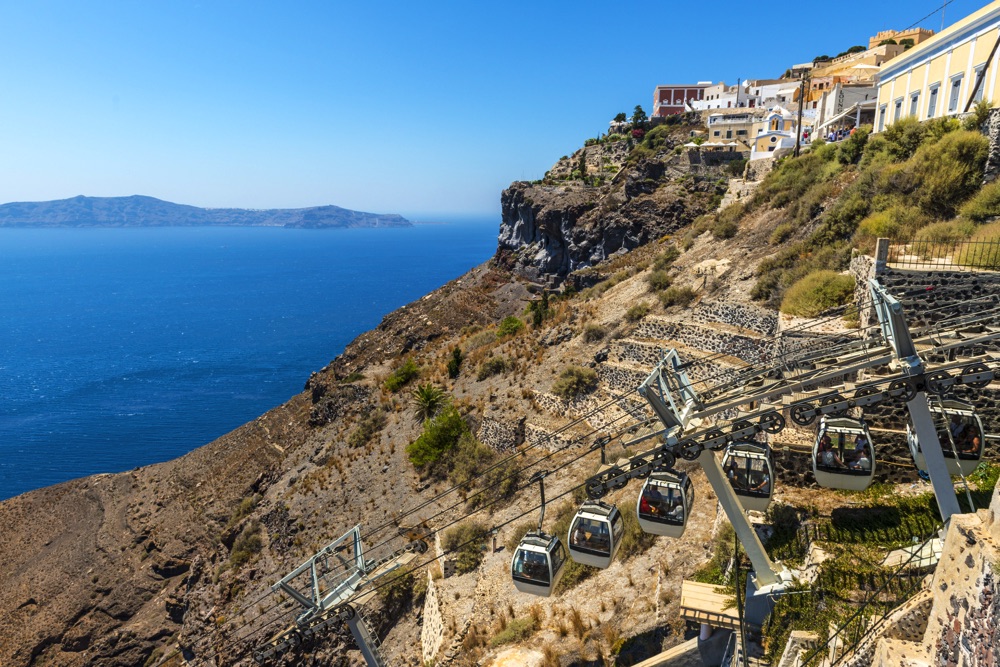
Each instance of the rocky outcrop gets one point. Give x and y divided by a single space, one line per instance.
552 228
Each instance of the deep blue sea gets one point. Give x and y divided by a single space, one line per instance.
124 347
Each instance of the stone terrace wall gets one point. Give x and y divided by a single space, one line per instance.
751 350
762 320
501 436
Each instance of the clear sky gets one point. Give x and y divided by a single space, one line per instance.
419 108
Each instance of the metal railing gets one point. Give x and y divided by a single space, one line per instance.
874 610
945 255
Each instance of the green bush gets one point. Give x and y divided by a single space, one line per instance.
666 259
852 148
402 376
510 326
471 460
782 232
575 381
984 205
490 367
897 221
593 333
677 296
455 362
985 256
950 171
440 435
817 292
714 571
246 545
368 427
517 630
945 232
479 340
243 510
658 281
637 312
736 167
727 223
467 540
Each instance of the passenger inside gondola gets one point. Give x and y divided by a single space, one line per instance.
532 565
861 458
737 477
828 457
970 445
590 534
760 482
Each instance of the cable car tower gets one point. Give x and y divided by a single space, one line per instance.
331 587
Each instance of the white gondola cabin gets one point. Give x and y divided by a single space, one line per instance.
843 456
595 535
664 503
750 472
538 563
960 433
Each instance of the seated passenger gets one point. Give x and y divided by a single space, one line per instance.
970 445
761 483
828 457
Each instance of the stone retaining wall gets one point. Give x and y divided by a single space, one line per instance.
761 320
536 435
432 629
754 351
620 379
499 435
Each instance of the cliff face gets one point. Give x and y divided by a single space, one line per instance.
556 226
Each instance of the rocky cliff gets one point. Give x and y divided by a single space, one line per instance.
569 221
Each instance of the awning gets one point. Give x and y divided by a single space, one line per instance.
851 111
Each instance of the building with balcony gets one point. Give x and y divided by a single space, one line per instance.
673 99
938 76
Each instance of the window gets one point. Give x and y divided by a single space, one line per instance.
978 97
932 95
914 99
897 110
881 118
729 134
740 133
956 88
715 134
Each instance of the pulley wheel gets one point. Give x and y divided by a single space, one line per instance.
909 391
973 369
935 382
800 414
772 422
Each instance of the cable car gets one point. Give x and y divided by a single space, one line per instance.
843 456
960 433
538 563
750 471
595 534
664 503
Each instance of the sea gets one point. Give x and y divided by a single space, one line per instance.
125 347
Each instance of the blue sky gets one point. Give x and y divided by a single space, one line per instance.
418 108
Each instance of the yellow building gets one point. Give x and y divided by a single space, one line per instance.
916 35
936 77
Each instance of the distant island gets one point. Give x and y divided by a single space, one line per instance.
141 211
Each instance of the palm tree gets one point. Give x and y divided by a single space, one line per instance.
427 400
